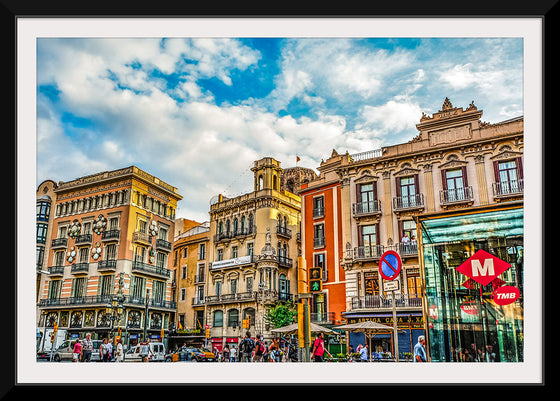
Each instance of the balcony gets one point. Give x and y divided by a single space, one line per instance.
284 232
107 265
141 267
163 245
110 235
285 261
366 208
409 202
227 236
322 318
228 298
381 302
507 189
79 268
318 242
318 212
59 243
103 300
368 252
56 271
456 196
84 239
406 248
141 237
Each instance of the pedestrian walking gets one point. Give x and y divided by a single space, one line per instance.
119 352
104 351
87 348
226 353
364 354
319 349
419 352
233 354
145 351
77 351
260 350
246 348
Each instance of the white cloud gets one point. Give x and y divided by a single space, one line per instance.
391 117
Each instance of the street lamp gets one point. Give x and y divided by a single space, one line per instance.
116 307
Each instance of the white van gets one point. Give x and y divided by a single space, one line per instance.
64 351
157 354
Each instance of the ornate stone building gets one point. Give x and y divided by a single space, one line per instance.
252 256
456 164
111 234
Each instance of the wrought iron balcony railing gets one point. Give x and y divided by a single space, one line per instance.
415 201
456 195
366 208
381 302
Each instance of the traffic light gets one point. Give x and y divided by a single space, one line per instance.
315 279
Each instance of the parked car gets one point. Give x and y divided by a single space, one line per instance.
157 354
64 351
188 354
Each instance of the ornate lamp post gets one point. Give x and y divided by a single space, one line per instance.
116 308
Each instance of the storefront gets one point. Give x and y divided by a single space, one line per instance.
465 322
409 324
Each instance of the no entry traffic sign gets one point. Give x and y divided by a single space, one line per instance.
390 265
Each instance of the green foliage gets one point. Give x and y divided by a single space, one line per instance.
281 314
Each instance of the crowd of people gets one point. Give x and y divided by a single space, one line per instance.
82 350
257 350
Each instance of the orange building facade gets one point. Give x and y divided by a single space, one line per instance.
322 242
111 234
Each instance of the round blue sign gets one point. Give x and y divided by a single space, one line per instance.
390 265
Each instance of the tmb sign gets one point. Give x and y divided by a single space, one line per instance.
483 267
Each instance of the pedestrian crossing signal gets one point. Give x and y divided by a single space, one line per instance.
315 279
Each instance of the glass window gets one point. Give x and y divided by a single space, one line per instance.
218 319
318 206
233 317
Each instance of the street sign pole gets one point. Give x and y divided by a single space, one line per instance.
395 335
390 266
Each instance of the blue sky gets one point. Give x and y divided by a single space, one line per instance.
196 112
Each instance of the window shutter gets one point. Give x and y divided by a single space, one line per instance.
519 164
398 182
444 179
465 180
496 172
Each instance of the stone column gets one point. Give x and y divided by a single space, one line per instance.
428 179
481 179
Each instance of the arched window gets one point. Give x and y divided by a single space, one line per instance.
227 227
250 224
235 225
218 319
221 227
243 224
261 181
233 318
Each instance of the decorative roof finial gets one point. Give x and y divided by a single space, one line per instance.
446 104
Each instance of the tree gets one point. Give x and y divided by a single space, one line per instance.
281 314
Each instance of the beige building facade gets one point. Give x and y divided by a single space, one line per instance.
456 163
252 257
